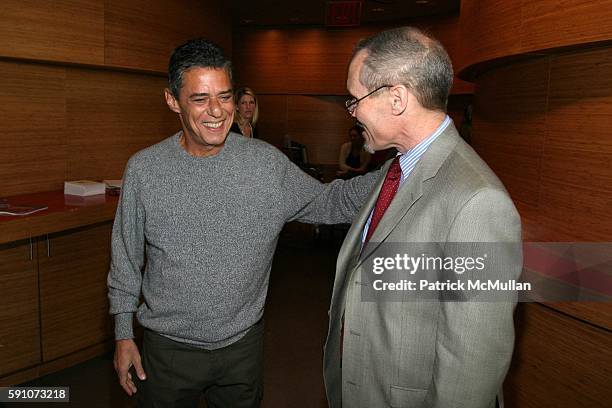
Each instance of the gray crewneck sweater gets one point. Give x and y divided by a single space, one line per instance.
196 235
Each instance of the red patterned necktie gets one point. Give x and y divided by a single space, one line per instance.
387 192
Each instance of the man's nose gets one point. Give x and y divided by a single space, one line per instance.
214 108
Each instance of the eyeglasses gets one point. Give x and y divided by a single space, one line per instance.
351 104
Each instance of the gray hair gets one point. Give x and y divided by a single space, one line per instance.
409 57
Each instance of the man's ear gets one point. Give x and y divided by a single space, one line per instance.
171 101
400 97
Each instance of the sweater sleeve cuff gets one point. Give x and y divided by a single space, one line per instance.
124 327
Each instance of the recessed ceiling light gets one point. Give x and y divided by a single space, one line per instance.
247 21
422 1
378 9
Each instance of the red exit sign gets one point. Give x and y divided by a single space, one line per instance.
343 13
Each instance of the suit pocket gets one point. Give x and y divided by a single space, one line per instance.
403 397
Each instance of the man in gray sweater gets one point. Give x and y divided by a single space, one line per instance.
194 235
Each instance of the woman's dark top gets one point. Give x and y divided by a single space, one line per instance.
236 129
353 160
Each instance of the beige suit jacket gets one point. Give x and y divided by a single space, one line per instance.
425 353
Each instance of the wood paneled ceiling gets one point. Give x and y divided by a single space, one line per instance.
312 12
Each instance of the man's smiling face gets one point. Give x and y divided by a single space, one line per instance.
206 109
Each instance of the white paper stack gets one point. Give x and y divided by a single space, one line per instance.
84 187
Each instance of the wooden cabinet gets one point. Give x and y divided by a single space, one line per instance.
53 296
19 311
73 266
53 301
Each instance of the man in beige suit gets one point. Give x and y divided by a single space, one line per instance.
417 352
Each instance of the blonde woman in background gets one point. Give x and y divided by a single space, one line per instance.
247 112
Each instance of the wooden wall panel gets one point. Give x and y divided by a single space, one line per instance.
558 362
60 30
577 172
596 313
135 34
321 123
509 126
551 23
71 123
272 123
316 61
488 30
61 122
501 28
261 60
32 114
141 34
110 116
315 66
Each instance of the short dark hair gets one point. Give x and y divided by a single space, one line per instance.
199 53
409 57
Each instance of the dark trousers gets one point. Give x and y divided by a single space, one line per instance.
178 374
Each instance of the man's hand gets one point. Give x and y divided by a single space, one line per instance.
126 356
